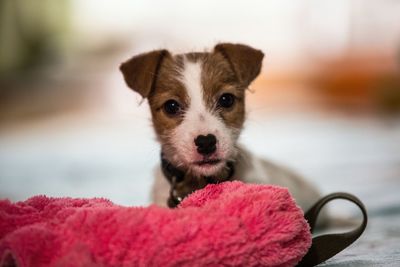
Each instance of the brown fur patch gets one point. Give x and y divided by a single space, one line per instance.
217 79
167 86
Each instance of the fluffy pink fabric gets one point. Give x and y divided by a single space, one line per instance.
229 224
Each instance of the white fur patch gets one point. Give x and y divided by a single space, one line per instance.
198 120
191 78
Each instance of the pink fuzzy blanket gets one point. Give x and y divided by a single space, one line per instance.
229 224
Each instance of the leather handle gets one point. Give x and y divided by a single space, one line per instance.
326 246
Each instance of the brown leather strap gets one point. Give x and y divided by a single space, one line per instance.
326 246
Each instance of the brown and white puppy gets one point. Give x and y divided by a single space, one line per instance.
197 101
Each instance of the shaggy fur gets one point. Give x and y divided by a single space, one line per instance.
229 224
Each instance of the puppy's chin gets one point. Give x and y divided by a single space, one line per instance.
207 169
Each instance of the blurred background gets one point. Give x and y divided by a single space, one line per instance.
327 103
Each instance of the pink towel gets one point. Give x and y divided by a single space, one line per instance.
229 224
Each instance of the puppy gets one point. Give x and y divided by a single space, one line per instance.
197 102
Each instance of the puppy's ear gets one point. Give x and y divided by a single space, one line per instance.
245 61
140 72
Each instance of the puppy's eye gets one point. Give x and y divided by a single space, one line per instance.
226 100
172 107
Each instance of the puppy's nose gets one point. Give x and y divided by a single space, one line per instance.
206 144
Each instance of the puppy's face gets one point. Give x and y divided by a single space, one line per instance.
197 101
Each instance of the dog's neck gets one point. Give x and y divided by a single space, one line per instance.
183 182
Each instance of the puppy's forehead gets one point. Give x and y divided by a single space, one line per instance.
215 72
215 69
